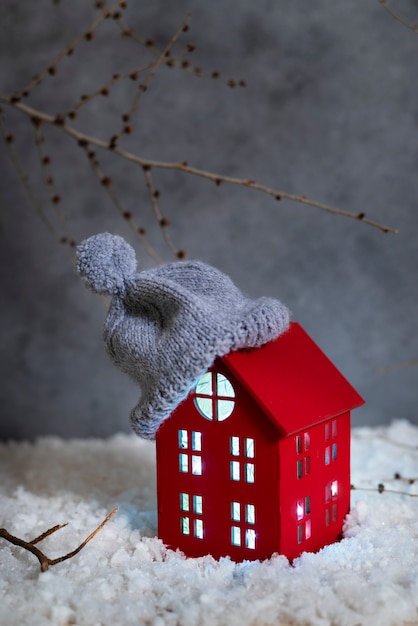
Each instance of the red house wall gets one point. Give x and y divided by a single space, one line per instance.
314 486
300 493
215 485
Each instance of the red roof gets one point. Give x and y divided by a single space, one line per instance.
293 381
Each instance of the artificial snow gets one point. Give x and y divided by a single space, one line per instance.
126 576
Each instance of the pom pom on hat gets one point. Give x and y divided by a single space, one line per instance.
105 262
166 326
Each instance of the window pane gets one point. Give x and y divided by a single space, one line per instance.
183 463
307 441
197 505
308 505
183 439
185 525
249 448
250 539
224 387
308 530
204 385
299 511
334 512
249 472
327 456
334 451
327 493
327 432
205 407
326 517
196 441
307 464
224 409
235 470
236 511
198 528
196 465
299 468
298 444
184 501
235 446
235 536
250 513
300 534
334 428
334 489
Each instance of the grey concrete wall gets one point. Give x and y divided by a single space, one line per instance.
330 111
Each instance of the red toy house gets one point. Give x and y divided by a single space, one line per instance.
256 459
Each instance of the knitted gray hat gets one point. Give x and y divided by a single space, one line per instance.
166 326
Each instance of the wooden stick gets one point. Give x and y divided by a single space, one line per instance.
106 182
9 139
51 68
398 16
44 561
382 489
163 222
83 138
47 533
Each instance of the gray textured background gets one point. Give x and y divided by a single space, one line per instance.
330 111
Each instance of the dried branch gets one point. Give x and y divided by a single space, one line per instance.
145 84
185 64
9 140
162 221
45 161
62 121
104 90
47 533
164 57
185 168
382 489
44 561
107 184
398 16
410 481
397 477
51 69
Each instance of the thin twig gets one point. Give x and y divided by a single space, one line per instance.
185 168
160 60
382 489
68 50
85 542
27 545
47 533
145 84
185 64
398 16
48 180
401 479
9 139
405 479
139 231
104 89
44 561
162 221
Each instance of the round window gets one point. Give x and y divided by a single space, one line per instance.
214 396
